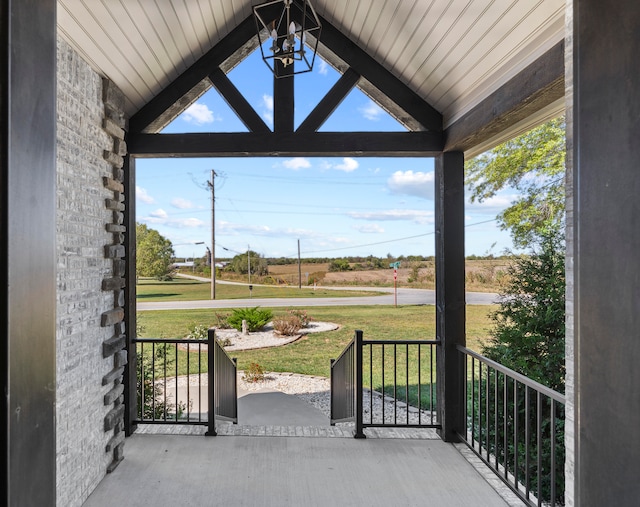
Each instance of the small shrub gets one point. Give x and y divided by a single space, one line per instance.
254 373
287 325
302 315
198 332
255 317
222 320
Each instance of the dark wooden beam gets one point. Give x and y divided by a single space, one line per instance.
330 101
283 100
537 86
287 144
404 103
187 87
237 102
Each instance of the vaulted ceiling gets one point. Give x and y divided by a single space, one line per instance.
452 53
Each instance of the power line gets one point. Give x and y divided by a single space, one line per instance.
387 241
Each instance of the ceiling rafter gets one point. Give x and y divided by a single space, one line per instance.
193 82
236 101
380 84
330 101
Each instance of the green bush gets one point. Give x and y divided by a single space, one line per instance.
255 317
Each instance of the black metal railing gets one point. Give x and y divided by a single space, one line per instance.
380 383
224 392
171 388
516 426
399 383
343 386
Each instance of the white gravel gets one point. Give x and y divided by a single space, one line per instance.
268 337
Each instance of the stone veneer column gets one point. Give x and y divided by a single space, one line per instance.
114 125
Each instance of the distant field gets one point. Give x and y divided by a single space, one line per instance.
480 275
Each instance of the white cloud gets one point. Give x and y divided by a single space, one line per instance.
198 113
348 165
161 217
233 229
186 222
416 216
143 196
267 105
369 229
297 163
493 205
418 184
181 203
159 213
371 111
323 67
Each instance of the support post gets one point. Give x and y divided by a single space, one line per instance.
450 295
28 252
603 350
359 433
130 320
211 359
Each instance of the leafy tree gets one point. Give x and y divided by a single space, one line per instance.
154 253
529 331
240 264
534 165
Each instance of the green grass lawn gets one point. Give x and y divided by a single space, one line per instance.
182 289
312 353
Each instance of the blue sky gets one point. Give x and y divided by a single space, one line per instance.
334 206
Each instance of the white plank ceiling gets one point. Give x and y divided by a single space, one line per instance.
452 53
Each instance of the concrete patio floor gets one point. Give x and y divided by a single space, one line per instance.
170 470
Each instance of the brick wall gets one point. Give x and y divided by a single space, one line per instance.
85 205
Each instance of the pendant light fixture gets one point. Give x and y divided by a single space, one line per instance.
288 33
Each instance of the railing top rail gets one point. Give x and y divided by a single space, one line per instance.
212 336
401 342
344 351
168 340
517 376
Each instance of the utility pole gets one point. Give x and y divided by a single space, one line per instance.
299 268
213 234
249 268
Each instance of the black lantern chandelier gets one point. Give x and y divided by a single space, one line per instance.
288 33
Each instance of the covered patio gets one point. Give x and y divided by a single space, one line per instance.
86 88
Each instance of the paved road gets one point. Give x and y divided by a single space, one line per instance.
405 297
